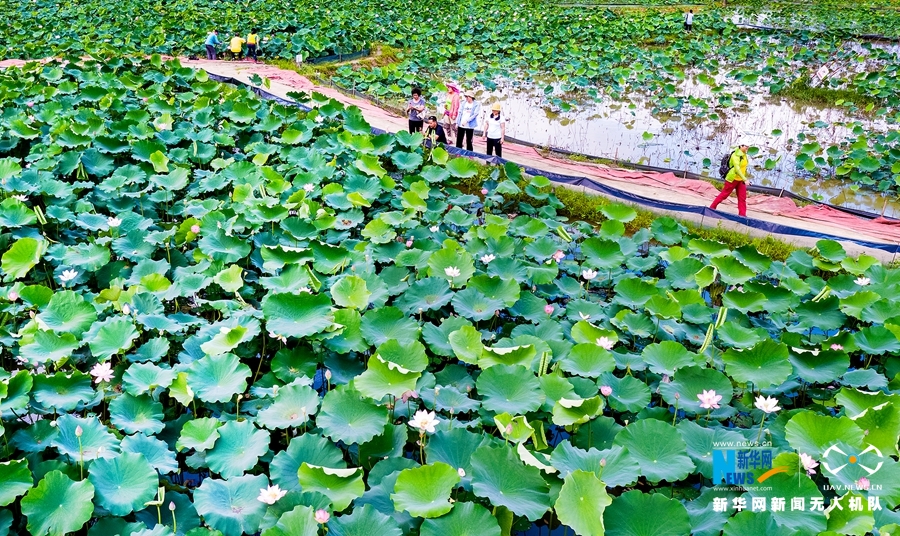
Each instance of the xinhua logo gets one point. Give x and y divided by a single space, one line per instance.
835 460
739 467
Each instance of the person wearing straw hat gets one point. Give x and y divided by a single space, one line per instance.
467 120
494 130
736 179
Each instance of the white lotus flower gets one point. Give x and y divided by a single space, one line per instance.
424 421
767 404
433 228
862 281
113 221
21 198
79 431
102 372
271 494
126 309
487 258
588 274
452 271
606 343
308 187
68 275
461 472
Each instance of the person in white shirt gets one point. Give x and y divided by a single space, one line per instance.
467 120
494 130
688 20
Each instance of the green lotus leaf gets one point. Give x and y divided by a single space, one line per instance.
230 278
231 506
58 505
218 378
637 514
132 414
766 364
293 406
199 434
882 427
466 344
227 339
95 441
692 381
301 521
461 168
309 448
452 263
19 259
454 447
385 323
584 332
754 522
384 377
9 168
820 367
341 486
628 393
658 448
297 316
425 491
62 391
351 291
503 479
124 483
702 441
812 434
507 355
111 336
634 292
145 377
733 271
515 429
877 340
154 450
567 411
364 521
783 485
466 519
347 416
509 388
68 312
238 448
15 479
185 515
582 500
588 360
667 357
425 294
48 346
855 401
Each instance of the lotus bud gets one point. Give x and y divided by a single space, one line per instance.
53 424
78 431
677 396
603 462
13 296
327 374
461 472
171 506
606 390
548 309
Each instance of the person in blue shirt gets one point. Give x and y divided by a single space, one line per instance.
467 120
211 41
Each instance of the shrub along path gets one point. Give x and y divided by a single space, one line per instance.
656 186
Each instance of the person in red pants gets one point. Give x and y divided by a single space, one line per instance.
736 179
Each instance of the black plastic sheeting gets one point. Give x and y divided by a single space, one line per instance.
571 180
339 57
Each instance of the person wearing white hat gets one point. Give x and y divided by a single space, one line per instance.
494 130
467 120
736 179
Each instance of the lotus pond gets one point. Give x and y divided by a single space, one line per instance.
223 315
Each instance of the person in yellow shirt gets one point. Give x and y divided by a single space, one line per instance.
253 44
237 47
736 179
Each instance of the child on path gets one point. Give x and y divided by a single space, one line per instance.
253 44
494 130
211 41
237 47
689 20
467 120
736 179
415 108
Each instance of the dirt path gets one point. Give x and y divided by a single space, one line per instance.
656 186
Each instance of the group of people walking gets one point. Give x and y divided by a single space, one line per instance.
235 45
460 115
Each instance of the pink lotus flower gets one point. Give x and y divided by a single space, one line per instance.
195 229
30 104
13 296
605 390
548 309
409 243
559 255
863 483
409 395
709 399
484 191
837 346
322 516
808 463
